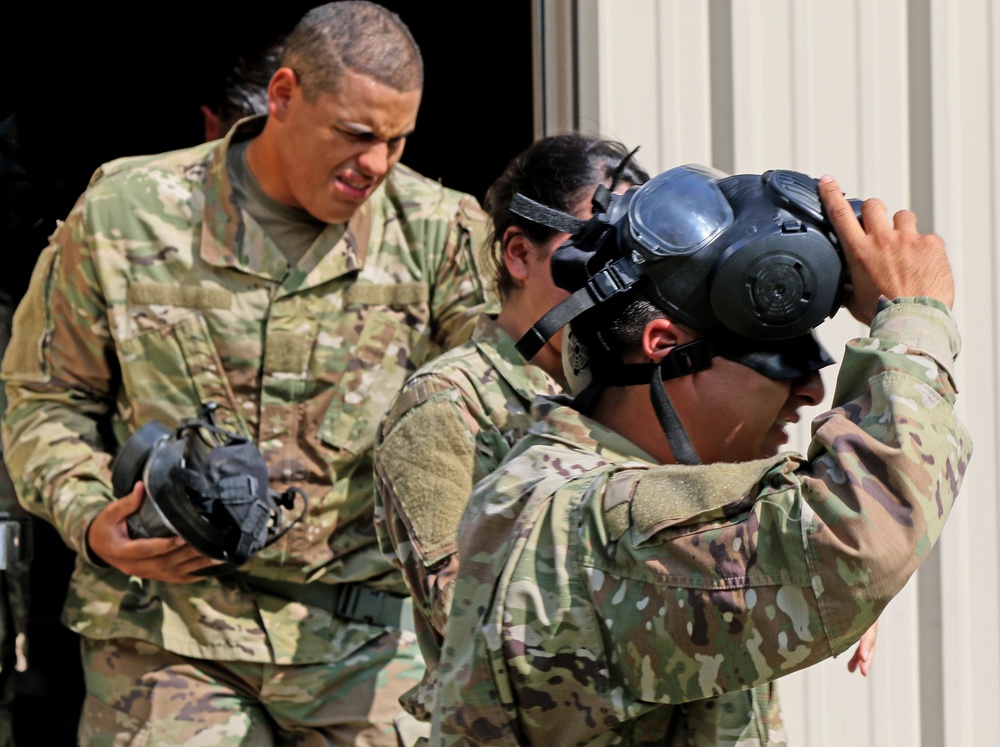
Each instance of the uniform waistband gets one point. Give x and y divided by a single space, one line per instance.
348 601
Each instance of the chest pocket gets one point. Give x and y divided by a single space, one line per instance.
170 363
394 340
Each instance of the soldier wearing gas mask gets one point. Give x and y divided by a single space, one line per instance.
649 544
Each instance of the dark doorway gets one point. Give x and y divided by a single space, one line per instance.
90 84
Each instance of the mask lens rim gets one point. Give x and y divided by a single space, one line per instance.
678 212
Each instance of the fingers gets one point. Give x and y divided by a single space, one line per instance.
885 256
178 565
159 558
905 220
127 504
167 559
839 211
864 654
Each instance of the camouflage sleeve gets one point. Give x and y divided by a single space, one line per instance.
742 592
57 372
434 444
460 290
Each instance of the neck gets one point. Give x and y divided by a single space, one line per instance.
627 411
263 162
515 323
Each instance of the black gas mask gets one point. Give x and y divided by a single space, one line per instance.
205 484
749 261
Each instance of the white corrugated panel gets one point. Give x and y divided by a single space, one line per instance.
898 99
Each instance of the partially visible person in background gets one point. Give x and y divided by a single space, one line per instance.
457 416
25 221
15 589
243 91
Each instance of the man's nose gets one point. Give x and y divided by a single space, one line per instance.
374 160
809 388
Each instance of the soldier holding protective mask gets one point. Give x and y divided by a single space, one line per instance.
293 273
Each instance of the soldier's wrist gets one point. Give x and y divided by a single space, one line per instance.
91 556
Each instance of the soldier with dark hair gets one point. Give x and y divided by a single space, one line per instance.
293 273
458 415
243 91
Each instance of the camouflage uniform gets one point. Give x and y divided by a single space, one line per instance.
157 294
448 428
625 589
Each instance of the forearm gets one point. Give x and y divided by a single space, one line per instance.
886 464
800 566
57 374
59 471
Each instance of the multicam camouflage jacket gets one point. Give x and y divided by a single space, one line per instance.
158 294
626 590
449 427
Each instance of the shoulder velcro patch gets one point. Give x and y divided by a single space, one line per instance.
416 391
396 294
429 458
184 296
29 361
679 495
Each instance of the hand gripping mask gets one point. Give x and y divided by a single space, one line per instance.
750 261
205 484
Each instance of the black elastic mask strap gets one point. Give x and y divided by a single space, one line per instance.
552 321
617 175
613 279
681 361
543 215
677 437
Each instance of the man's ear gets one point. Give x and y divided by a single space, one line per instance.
283 84
516 247
660 337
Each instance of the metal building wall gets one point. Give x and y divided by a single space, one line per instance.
898 99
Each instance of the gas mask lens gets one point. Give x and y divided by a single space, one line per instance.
678 212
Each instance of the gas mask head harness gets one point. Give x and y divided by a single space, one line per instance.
205 484
749 261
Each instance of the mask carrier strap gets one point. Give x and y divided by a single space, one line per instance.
615 278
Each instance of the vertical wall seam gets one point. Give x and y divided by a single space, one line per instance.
720 27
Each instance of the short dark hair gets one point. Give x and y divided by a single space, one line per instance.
556 171
614 329
356 36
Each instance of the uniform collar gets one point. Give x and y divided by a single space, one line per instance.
499 349
556 420
231 238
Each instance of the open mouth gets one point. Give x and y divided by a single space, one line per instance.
354 190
